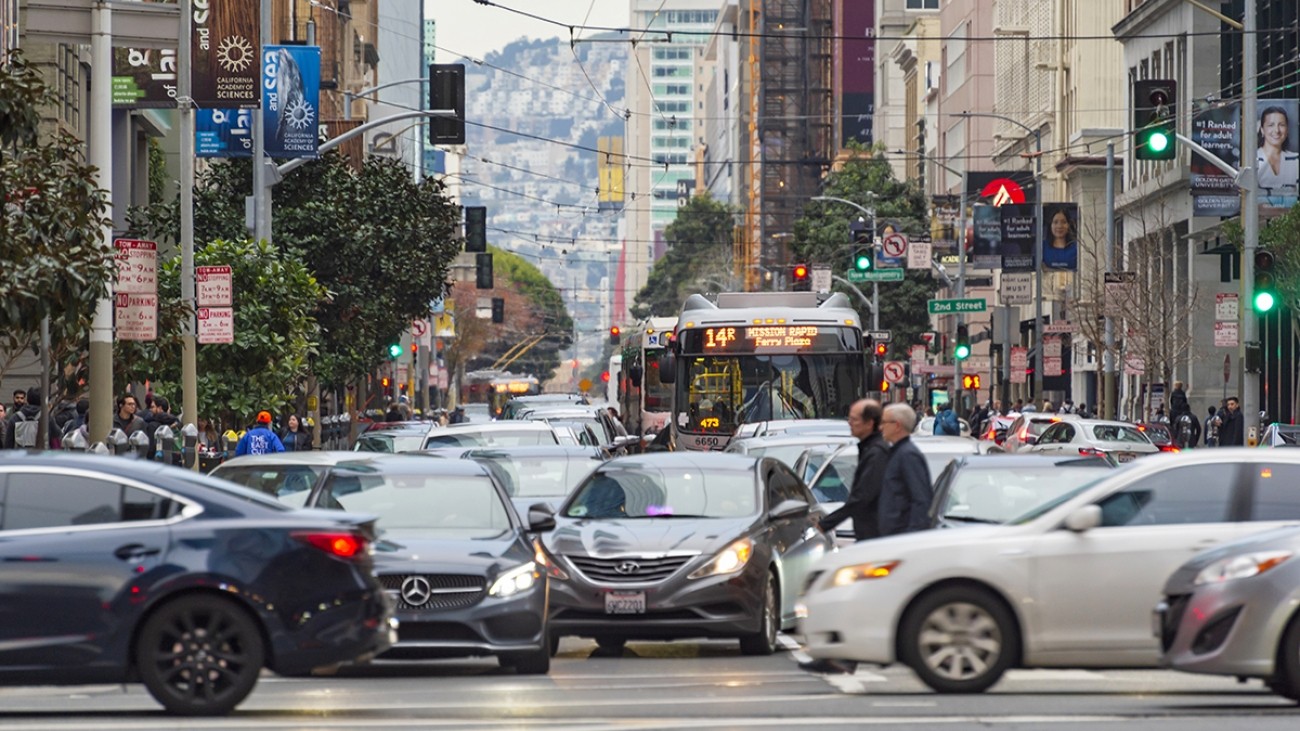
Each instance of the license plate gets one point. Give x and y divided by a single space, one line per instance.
1125 456
632 602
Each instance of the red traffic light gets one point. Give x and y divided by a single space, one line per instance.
605 376
385 382
800 271
881 349
614 331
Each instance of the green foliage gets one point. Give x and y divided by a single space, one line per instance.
53 262
160 188
699 245
822 237
275 334
542 300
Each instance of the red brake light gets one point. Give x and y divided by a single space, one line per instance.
1141 427
1091 452
1169 448
340 545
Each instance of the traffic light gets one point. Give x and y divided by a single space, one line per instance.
961 350
483 271
1154 119
1265 282
799 278
970 382
614 334
604 376
881 349
498 310
395 351
475 229
863 261
447 92
385 383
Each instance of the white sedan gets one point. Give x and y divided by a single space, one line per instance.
1117 440
1070 584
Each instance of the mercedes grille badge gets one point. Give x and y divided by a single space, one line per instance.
628 567
416 590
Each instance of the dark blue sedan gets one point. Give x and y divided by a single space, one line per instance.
114 570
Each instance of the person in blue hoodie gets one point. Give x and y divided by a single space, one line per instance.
260 439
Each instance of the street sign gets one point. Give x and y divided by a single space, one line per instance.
1225 335
948 307
137 266
917 353
135 316
879 275
216 325
1051 347
894 371
1017 288
919 254
1052 366
1226 306
878 336
214 286
1019 363
1060 328
894 245
821 279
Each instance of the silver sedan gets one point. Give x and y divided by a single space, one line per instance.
1117 440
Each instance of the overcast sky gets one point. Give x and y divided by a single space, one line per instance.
468 28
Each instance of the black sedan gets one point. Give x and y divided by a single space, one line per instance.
115 570
682 544
453 553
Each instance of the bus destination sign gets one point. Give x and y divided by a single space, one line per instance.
769 338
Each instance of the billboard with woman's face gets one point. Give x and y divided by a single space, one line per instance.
1060 236
1277 162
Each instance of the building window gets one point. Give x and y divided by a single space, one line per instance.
922 4
955 49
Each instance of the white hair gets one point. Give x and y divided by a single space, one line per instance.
903 414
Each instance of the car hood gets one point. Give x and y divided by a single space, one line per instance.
1280 539
416 551
611 538
897 547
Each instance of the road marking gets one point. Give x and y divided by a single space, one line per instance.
1051 674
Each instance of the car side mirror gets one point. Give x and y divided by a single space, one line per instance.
789 509
1084 518
541 517
668 367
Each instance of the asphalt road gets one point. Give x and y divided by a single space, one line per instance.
696 685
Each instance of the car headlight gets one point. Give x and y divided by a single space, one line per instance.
516 580
1240 567
548 563
863 572
728 561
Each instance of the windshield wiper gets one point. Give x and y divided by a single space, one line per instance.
972 519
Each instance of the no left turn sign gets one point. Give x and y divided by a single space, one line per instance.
894 371
894 245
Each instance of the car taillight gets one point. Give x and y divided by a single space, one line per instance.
339 545
1091 452
1169 448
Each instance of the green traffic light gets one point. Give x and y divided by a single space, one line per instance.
1158 142
1264 301
395 350
962 352
862 262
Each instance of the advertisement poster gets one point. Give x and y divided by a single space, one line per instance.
1060 250
224 43
986 236
223 133
1277 164
144 78
857 70
998 188
1214 192
943 223
291 100
1018 237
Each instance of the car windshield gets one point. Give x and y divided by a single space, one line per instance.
460 504
520 438
1119 433
389 442
645 492
998 494
213 482
1066 496
288 483
548 476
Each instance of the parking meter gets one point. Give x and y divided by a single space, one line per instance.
190 434
117 442
140 444
75 442
166 439
99 448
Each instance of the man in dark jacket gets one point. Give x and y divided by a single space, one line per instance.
21 425
873 455
907 491
162 416
1231 425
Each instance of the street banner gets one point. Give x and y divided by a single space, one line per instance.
855 67
985 237
1018 242
137 266
223 133
1217 129
1277 165
224 46
144 78
291 100
1060 249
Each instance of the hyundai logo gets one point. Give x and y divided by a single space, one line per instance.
628 567
416 590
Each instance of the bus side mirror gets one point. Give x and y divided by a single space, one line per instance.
668 367
634 376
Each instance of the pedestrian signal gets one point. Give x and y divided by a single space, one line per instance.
970 382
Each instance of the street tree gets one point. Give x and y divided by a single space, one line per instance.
275 296
53 263
821 236
698 258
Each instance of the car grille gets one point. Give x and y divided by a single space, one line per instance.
1172 617
628 569
446 591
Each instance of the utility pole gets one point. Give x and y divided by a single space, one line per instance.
875 286
961 290
185 108
1249 224
1109 390
101 156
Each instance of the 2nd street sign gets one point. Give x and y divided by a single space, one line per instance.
948 307
880 275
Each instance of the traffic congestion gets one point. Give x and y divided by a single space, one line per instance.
787 509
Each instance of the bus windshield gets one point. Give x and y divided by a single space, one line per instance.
720 392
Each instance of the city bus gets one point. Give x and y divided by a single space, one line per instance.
496 387
644 399
761 356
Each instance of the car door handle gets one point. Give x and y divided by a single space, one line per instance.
136 551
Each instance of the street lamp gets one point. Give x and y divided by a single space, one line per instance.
875 286
1038 240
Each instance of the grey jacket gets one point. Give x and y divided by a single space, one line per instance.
907 491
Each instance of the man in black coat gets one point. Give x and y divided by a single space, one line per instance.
907 491
1231 425
873 455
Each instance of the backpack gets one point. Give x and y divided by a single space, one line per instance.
948 424
25 432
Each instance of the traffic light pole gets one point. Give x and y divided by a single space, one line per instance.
875 286
1249 224
961 292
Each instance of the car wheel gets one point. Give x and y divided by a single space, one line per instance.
1287 682
199 655
537 662
764 642
553 640
611 643
959 640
